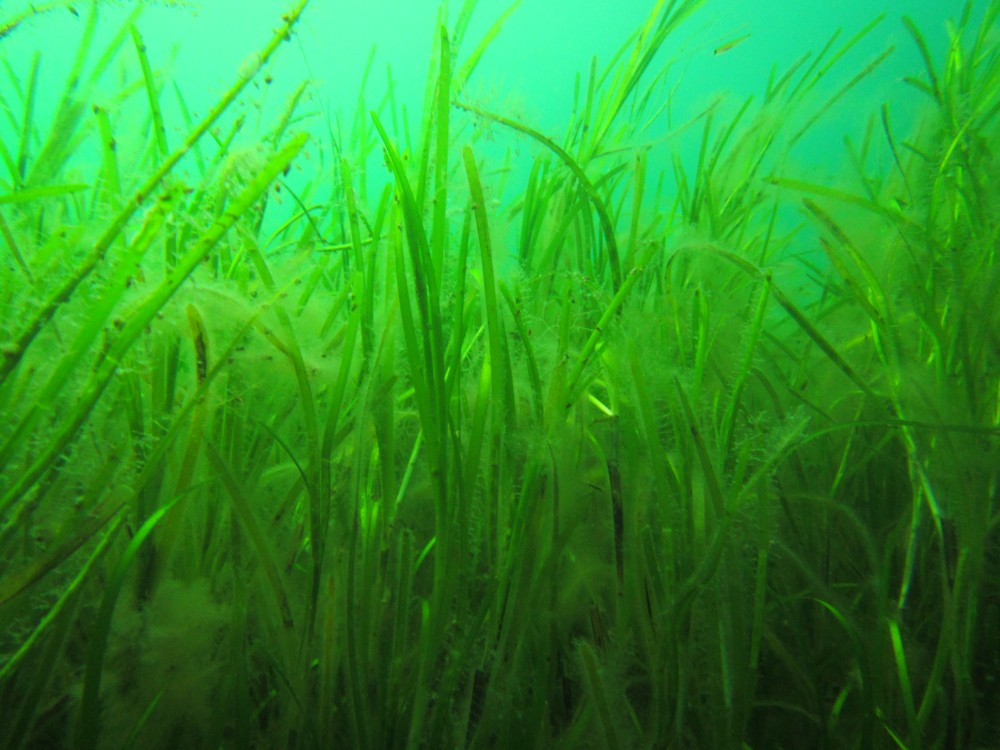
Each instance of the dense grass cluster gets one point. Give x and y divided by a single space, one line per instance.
289 460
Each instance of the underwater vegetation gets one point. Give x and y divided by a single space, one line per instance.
307 442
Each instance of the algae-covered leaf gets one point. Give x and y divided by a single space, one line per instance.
48 191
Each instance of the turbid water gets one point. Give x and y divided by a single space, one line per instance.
571 378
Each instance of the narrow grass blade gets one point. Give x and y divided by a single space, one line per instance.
472 61
152 95
114 227
428 304
49 191
439 219
704 457
258 538
110 185
925 55
498 363
840 93
65 598
906 687
140 318
88 729
525 335
598 694
78 351
602 212
15 250
27 123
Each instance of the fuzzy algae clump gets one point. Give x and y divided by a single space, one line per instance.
325 458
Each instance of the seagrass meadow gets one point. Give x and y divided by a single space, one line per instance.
310 439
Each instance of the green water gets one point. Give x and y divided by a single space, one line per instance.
659 409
